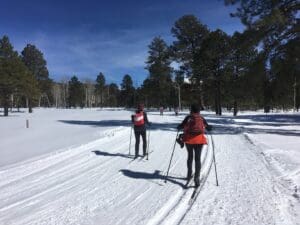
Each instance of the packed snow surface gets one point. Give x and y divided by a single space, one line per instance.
74 166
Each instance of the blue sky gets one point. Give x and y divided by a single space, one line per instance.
84 38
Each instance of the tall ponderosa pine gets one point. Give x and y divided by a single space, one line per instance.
76 93
113 96
271 22
242 55
285 71
212 65
15 78
160 73
34 60
100 86
189 33
127 92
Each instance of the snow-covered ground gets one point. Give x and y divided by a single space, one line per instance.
74 167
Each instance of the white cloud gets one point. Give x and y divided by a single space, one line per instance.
85 53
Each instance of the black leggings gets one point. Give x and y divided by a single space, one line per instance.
137 141
191 148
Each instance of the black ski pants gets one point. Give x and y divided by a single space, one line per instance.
138 134
191 149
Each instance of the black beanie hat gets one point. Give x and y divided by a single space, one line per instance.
140 106
195 108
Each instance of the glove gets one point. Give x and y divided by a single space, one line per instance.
209 127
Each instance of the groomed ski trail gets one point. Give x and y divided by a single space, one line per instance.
248 191
96 183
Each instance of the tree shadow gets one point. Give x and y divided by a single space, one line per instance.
97 123
117 123
275 120
152 176
278 118
229 125
221 124
9 115
101 153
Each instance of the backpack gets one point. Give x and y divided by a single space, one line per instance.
194 125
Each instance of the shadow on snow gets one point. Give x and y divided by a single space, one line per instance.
101 153
221 125
156 175
117 123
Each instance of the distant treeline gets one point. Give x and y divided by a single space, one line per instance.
258 68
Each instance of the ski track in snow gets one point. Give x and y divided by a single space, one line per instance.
245 186
77 186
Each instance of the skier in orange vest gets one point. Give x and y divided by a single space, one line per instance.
140 119
193 136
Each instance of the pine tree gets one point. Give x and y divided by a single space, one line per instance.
212 65
160 72
271 22
113 96
33 58
100 86
127 91
76 93
285 71
15 78
189 33
241 56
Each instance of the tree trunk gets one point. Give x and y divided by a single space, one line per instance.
11 103
29 105
5 110
295 93
18 103
235 108
266 97
40 98
218 98
6 105
216 105
49 104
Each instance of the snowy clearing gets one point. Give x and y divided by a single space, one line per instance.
73 167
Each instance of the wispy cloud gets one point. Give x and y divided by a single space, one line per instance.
110 37
85 53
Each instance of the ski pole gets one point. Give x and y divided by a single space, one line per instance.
214 159
148 144
130 139
171 158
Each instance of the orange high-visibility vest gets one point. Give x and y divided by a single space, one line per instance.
191 138
139 119
198 139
